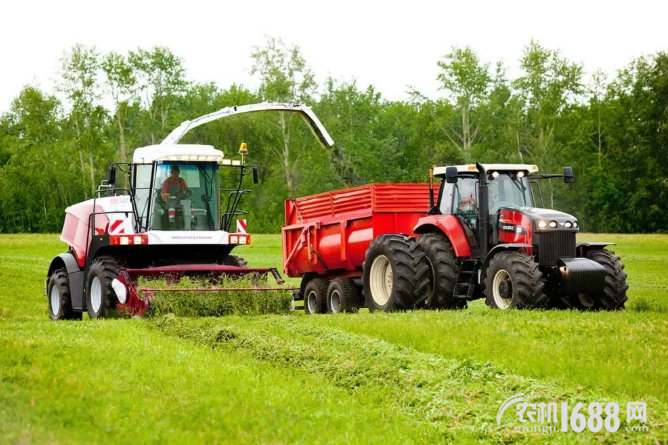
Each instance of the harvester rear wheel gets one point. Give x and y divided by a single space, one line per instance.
60 300
613 295
395 273
342 296
315 296
513 280
101 301
443 269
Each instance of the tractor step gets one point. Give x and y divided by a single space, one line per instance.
466 280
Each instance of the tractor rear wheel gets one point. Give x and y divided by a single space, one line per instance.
396 273
101 300
60 299
315 296
513 280
613 295
444 268
342 296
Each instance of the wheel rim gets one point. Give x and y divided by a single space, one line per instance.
311 302
586 300
502 278
335 301
55 300
96 294
381 278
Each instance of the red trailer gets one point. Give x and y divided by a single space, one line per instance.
327 237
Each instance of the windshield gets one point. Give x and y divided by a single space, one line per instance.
185 196
507 190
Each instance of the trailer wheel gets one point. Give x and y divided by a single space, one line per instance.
315 296
443 270
342 296
395 271
60 300
101 301
613 295
513 280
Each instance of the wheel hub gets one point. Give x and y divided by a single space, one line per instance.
335 302
502 289
505 289
55 300
310 301
381 278
96 294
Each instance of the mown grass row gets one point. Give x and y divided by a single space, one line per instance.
448 399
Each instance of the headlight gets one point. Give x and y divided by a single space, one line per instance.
542 224
575 224
568 224
553 224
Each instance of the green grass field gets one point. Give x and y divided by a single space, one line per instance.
416 377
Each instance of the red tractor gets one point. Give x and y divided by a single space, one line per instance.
481 236
169 223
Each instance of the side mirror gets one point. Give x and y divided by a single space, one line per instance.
568 175
451 175
256 178
111 175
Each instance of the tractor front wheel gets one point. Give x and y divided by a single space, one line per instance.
613 295
513 280
315 296
101 301
60 300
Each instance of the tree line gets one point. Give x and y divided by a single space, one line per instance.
54 150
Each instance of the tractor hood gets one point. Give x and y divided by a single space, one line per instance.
306 113
548 215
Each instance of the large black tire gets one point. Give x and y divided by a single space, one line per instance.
315 296
342 296
60 299
443 270
101 300
513 280
613 295
396 273
233 260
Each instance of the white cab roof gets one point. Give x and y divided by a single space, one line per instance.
489 167
176 152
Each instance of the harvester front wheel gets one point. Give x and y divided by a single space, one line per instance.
101 301
342 296
613 295
444 268
233 260
315 296
60 300
513 280
395 273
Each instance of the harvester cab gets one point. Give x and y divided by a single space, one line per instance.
485 238
168 222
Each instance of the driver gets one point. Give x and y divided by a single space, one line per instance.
173 185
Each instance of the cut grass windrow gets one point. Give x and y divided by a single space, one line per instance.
449 399
174 298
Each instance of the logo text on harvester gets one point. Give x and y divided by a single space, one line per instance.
548 418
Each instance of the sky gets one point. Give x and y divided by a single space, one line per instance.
391 45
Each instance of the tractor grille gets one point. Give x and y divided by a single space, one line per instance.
555 245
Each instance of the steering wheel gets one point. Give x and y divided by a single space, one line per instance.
184 194
500 204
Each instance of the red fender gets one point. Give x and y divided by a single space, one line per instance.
450 226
